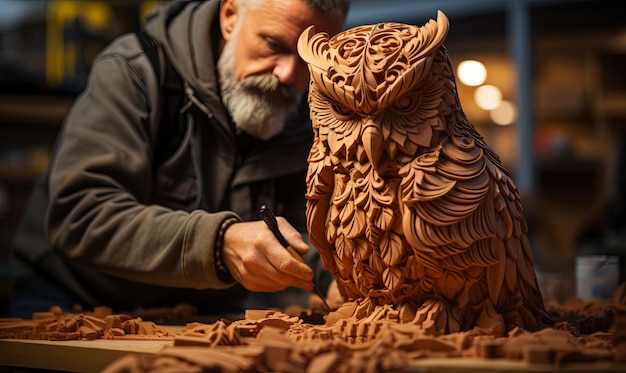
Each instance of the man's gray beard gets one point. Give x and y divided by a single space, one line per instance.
260 105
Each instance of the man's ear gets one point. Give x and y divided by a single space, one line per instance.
228 17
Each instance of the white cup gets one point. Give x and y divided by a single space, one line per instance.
597 276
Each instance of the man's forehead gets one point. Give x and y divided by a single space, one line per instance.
284 20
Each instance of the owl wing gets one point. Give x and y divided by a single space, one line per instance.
463 218
320 188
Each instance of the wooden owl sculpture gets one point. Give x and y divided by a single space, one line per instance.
406 203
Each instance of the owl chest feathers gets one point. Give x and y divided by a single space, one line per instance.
373 214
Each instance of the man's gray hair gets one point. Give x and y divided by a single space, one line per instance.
322 6
327 6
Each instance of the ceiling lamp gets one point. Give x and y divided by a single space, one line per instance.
488 97
472 73
505 114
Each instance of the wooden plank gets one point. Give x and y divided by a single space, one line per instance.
470 365
94 355
75 356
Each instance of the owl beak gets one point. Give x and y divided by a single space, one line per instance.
372 142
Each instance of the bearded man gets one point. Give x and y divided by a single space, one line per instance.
116 222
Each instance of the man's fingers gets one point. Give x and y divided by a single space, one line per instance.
293 237
272 281
259 262
273 270
288 262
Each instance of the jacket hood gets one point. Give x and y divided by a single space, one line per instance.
189 33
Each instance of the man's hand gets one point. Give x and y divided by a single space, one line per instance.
258 261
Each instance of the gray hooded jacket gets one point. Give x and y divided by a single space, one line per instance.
107 226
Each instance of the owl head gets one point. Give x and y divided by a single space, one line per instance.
370 86
367 67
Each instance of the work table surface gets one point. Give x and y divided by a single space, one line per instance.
94 355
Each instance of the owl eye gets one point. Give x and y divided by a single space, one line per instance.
407 105
341 112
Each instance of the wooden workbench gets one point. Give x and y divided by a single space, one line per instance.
94 355
72 356
75 355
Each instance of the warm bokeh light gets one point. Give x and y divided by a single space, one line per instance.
488 97
505 114
472 73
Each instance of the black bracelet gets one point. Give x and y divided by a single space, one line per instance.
223 274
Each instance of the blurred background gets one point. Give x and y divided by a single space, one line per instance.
546 88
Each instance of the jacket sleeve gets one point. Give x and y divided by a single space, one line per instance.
100 183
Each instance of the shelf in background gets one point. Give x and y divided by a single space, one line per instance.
35 109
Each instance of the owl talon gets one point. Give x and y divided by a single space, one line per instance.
438 317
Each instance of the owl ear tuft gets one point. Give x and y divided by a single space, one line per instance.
435 33
313 48
443 25
304 39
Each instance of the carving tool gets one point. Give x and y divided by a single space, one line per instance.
270 220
